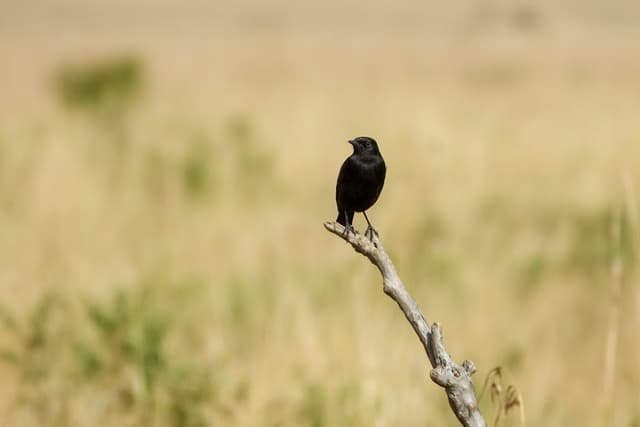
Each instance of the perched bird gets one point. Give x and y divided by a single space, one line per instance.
360 182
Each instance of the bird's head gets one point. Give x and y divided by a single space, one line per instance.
364 145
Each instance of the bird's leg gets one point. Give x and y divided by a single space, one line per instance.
370 231
348 228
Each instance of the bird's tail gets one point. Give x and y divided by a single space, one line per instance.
343 216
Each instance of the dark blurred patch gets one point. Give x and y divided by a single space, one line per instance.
196 169
489 16
348 413
133 328
537 262
592 248
323 296
500 222
37 348
135 331
104 92
239 303
313 408
429 247
250 303
194 173
254 165
514 358
531 271
494 76
108 85
525 17
582 240
115 345
240 129
324 405
190 393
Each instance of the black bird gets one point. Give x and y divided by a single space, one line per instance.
360 182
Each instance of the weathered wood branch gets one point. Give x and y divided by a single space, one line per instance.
454 378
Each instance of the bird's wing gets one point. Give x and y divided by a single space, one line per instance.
381 173
347 174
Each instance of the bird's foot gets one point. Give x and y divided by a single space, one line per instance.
348 229
370 232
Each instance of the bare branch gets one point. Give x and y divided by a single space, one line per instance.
454 378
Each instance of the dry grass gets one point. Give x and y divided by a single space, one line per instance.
175 271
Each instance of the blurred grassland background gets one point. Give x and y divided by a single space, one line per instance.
165 168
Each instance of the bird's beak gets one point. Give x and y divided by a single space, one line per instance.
352 142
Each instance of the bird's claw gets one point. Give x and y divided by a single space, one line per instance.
348 229
369 233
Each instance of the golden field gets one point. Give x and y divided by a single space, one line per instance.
162 255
